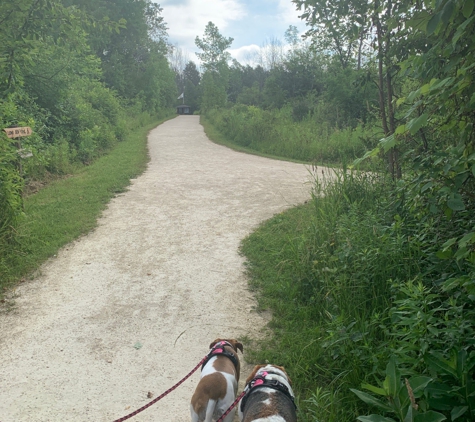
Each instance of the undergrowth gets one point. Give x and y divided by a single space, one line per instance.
276 133
353 282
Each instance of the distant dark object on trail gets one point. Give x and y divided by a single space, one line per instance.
183 109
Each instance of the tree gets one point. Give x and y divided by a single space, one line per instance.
178 59
129 52
213 45
342 26
271 53
292 35
27 28
191 73
192 87
214 58
336 26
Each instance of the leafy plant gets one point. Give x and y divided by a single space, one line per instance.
406 399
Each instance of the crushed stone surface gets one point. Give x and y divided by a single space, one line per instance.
122 314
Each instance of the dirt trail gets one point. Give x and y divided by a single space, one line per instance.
132 307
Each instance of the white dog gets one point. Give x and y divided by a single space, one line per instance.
217 388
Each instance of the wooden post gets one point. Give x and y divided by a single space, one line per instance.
16 133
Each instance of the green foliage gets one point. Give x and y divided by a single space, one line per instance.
132 52
10 188
276 132
77 73
340 36
213 91
307 267
28 26
423 398
353 281
405 399
213 45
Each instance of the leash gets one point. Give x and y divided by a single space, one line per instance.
232 406
164 394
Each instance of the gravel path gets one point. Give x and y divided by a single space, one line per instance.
131 308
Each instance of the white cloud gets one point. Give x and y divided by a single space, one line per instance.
189 18
288 13
250 22
248 54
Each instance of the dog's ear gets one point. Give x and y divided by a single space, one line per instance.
236 345
239 346
253 373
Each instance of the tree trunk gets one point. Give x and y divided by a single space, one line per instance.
395 167
382 102
360 47
392 157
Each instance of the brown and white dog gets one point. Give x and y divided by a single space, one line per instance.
269 397
218 385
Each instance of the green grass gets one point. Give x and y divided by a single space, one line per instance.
217 137
69 207
323 270
273 133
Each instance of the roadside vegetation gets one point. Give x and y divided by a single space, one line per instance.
372 283
88 79
275 132
69 207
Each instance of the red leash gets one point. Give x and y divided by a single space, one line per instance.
232 406
164 394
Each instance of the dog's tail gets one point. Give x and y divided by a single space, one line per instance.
210 410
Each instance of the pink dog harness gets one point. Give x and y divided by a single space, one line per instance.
260 381
219 349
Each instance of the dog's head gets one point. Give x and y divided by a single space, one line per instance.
279 370
233 342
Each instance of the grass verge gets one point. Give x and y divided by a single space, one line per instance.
70 207
217 137
302 267
275 133
272 254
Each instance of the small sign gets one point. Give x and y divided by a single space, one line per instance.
17 132
23 153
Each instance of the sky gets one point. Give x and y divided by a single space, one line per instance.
250 22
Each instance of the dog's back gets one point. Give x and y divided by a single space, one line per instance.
269 405
269 396
218 385
214 391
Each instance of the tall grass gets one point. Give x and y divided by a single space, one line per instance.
69 207
324 269
274 132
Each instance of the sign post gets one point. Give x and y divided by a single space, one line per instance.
17 133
